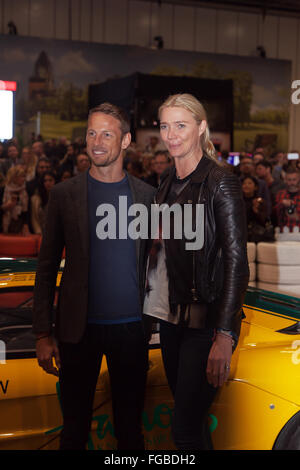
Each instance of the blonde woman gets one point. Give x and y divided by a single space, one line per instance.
29 162
200 311
15 202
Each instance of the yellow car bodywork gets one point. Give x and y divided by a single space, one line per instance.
249 412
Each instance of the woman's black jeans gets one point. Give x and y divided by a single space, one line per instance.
185 352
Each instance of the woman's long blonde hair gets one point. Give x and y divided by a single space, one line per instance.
13 173
190 103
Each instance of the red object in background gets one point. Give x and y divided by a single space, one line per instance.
18 245
8 86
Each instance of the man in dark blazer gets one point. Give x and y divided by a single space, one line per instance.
102 287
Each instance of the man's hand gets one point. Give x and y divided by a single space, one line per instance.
218 364
286 202
46 351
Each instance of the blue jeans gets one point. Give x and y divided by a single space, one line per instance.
185 352
126 351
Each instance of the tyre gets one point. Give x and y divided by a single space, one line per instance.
289 436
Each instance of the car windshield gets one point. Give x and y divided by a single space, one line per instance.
16 334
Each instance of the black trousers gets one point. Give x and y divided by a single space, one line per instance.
126 351
185 352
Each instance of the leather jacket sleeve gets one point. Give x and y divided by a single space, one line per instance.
231 231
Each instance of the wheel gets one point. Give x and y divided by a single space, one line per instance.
289 436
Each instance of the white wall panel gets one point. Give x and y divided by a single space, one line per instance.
247 33
226 32
75 19
116 23
205 30
166 24
98 21
18 12
62 19
86 12
139 23
7 15
184 28
2 16
41 18
294 135
270 35
155 21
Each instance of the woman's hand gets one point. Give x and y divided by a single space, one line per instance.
218 364
10 204
257 204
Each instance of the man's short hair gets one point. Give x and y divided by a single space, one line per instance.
264 163
114 111
165 153
291 170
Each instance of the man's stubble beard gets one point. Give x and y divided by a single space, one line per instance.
105 163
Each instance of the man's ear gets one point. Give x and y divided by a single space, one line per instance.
126 140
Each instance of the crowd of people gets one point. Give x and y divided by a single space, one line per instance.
271 189
270 184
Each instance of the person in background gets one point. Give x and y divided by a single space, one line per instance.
153 144
37 149
15 202
39 202
263 170
69 160
42 165
247 168
257 157
82 163
65 175
279 161
13 159
29 162
161 162
255 206
288 201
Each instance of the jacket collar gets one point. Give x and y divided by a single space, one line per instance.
80 198
203 169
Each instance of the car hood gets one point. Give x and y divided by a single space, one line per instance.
268 356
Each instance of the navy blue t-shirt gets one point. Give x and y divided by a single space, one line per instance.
113 281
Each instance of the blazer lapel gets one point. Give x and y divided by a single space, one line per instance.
81 206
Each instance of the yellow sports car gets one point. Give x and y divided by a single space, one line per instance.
258 408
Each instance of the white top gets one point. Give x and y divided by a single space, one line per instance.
156 303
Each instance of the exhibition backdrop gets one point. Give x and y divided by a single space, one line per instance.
53 78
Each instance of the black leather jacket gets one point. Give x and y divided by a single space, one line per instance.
218 272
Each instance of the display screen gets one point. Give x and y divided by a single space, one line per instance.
6 114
